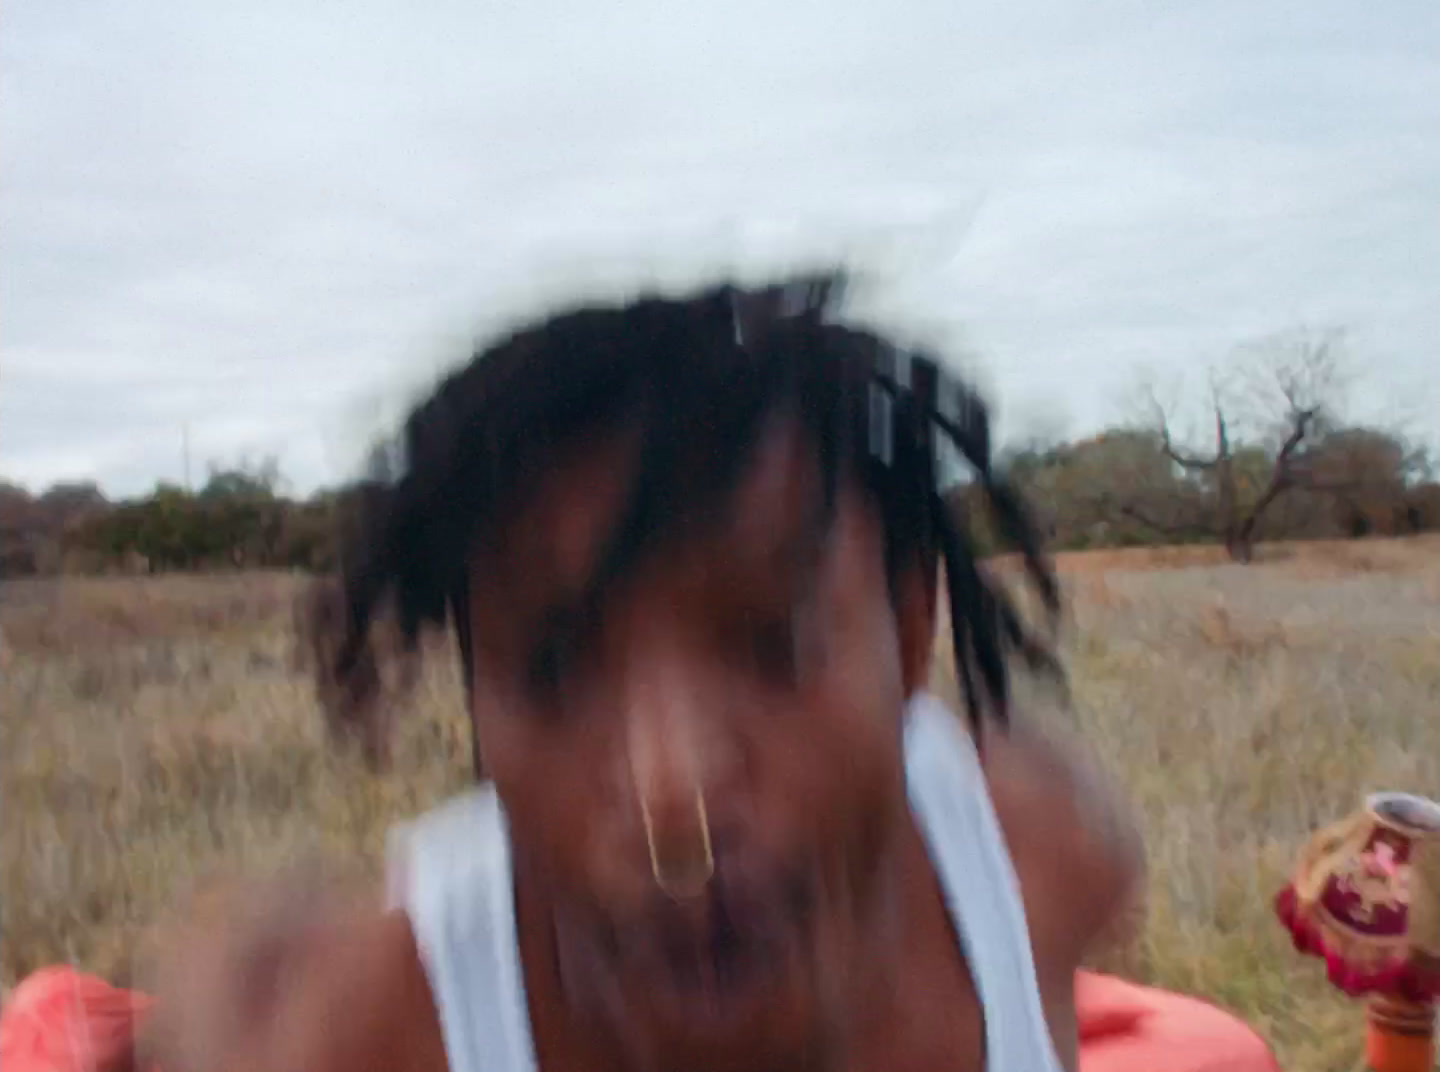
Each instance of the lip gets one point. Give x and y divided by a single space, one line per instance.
719 952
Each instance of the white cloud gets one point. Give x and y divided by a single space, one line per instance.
266 221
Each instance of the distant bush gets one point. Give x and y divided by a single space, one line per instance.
1116 489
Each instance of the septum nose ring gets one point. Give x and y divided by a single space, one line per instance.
685 874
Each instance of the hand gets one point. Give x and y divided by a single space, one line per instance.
226 973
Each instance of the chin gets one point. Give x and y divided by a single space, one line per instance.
723 992
730 979
751 1025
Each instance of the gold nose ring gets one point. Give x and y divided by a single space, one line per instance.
687 880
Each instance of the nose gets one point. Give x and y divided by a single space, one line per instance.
670 769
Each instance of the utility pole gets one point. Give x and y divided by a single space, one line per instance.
185 453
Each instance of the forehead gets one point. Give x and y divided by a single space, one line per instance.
555 533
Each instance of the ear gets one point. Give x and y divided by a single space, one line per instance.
915 620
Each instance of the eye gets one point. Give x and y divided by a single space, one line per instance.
545 668
771 649
550 662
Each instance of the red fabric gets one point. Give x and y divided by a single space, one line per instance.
1104 1006
62 1020
1169 1032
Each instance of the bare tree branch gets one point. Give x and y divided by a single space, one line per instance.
1104 503
1285 386
1185 461
1302 421
1161 421
1286 375
1165 528
1282 479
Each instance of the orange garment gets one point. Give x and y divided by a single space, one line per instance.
62 1020
1125 1027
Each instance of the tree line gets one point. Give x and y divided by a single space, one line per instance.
239 519
1273 458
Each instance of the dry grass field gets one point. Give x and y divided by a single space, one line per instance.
154 731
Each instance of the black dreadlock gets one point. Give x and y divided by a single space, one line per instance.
695 377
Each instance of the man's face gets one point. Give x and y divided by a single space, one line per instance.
736 705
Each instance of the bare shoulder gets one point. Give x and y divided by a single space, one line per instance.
1075 845
276 977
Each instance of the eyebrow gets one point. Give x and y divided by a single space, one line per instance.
559 620
577 601
798 556
801 552
788 567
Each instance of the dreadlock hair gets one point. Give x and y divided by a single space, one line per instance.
694 377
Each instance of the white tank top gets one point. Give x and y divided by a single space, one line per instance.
450 871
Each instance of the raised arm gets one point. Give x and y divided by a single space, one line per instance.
281 978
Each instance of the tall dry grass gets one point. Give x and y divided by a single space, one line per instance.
153 731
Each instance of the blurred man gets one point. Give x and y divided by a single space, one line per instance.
691 549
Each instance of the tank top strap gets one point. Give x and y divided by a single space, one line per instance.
951 802
450 872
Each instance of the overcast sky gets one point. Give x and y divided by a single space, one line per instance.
271 221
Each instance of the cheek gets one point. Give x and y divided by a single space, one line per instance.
836 762
862 677
558 793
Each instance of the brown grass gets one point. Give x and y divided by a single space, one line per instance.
153 731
